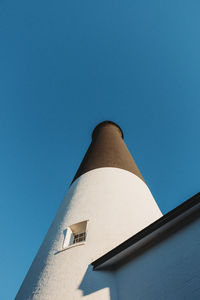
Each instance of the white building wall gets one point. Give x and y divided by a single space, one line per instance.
117 204
170 270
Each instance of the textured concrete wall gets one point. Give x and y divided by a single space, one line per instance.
117 204
170 270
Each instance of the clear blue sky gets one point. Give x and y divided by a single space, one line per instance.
67 65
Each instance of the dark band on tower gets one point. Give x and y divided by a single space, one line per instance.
107 149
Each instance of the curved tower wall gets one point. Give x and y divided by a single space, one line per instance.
116 204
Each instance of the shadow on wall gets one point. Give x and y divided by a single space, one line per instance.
94 281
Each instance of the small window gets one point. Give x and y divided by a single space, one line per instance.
75 234
79 237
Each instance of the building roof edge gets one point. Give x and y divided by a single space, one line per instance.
143 234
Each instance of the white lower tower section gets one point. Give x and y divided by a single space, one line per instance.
117 204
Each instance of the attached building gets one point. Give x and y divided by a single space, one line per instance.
161 261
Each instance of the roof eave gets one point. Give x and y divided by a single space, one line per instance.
176 218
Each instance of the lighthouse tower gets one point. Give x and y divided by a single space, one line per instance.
107 202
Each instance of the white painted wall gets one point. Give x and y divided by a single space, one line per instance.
169 271
117 204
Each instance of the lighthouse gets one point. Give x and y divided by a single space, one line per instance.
107 202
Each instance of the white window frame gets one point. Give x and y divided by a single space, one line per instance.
71 231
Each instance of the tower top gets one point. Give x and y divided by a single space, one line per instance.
105 123
107 149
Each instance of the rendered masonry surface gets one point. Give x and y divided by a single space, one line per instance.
108 193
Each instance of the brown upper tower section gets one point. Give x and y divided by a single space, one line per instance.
107 149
